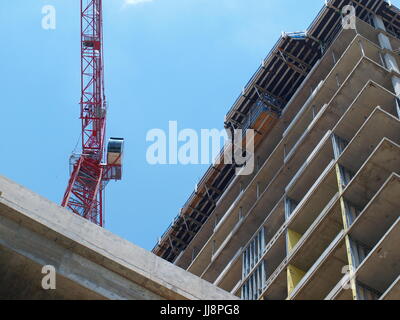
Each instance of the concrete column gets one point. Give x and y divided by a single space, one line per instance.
361 47
378 22
334 57
193 253
396 85
338 80
384 42
382 60
398 108
391 63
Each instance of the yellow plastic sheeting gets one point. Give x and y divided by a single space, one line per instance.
292 239
294 276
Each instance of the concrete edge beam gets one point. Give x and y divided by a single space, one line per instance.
103 247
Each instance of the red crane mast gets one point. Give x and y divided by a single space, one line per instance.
90 173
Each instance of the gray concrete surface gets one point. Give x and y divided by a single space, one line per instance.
90 262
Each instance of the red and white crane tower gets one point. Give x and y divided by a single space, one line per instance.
92 169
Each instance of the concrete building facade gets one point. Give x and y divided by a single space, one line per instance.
319 217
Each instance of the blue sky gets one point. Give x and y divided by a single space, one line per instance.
183 60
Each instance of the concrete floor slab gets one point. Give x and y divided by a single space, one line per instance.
90 261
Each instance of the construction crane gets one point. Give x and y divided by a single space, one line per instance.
91 170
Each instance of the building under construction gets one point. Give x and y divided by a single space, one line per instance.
319 216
